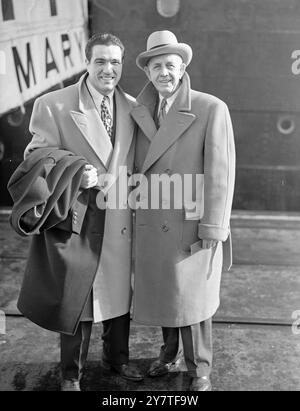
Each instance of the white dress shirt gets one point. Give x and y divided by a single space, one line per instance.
98 97
169 100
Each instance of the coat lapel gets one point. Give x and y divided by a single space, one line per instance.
89 123
177 121
143 114
123 139
175 125
145 121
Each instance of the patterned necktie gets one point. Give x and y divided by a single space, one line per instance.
106 117
162 112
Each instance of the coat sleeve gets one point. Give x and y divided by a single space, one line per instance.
43 127
219 175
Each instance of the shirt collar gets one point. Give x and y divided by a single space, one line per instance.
97 96
170 100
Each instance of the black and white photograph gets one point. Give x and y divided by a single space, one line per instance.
149 198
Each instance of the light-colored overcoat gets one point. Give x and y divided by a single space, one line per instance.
68 119
176 282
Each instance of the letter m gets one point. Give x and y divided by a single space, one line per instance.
20 68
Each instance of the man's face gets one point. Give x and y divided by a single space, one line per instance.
105 67
165 72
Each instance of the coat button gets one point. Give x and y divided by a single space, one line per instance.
123 231
165 228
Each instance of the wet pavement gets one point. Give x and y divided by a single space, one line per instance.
255 348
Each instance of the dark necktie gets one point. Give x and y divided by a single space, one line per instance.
162 112
106 117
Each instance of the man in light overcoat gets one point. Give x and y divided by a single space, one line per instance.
91 119
186 136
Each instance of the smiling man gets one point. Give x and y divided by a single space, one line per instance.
89 276
182 132
165 73
104 66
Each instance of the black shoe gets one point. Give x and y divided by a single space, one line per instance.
200 384
70 385
126 371
159 368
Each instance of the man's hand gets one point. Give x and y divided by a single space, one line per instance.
89 177
206 244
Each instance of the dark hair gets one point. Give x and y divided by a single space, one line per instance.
106 39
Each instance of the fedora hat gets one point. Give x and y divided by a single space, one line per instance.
164 42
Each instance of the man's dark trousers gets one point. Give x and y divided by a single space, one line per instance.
74 348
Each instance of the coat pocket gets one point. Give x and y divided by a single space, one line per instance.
189 234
